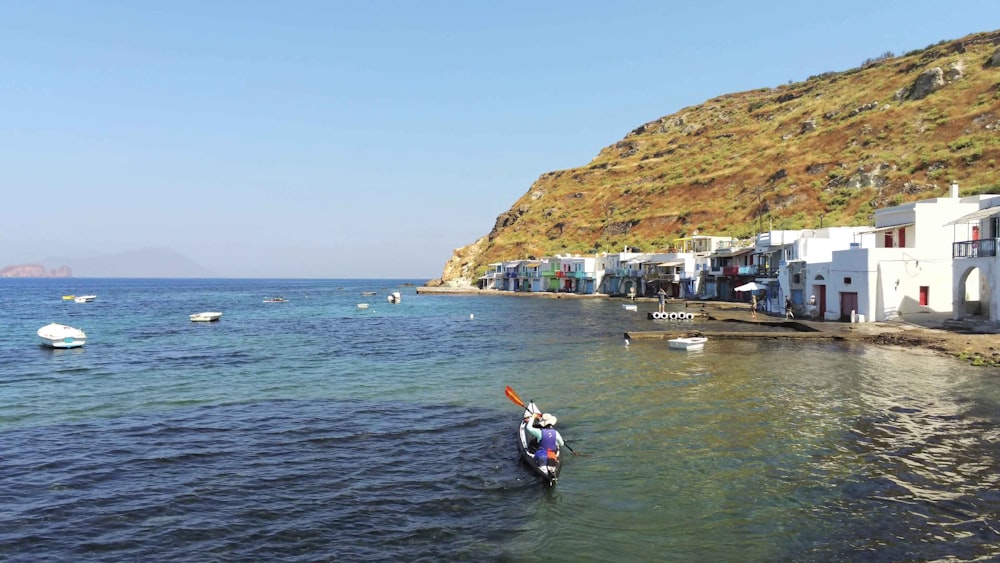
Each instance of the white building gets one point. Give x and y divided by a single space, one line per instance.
805 266
975 270
904 266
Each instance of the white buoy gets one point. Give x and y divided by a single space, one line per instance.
471 316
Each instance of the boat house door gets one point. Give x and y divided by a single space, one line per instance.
822 301
848 303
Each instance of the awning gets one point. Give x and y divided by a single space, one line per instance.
674 263
888 228
976 216
638 261
736 251
532 264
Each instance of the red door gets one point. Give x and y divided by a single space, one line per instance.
848 303
822 301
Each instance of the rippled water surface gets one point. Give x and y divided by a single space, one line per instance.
312 430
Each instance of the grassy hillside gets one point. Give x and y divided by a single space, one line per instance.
833 148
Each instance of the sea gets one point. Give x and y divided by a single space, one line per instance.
315 430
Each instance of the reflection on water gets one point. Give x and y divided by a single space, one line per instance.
828 450
314 431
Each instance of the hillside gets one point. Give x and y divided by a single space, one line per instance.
831 150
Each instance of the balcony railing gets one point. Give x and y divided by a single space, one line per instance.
974 248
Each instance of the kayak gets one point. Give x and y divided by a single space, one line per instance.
527 445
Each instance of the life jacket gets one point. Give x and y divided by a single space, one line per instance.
548 446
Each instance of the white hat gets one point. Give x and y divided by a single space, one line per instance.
548 420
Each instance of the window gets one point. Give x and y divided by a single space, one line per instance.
847 281
797 279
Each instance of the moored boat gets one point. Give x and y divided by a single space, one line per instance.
85 298
274 300
206 317
57 335
688 343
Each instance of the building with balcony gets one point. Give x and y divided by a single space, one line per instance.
975 270
493 277
579 274
901 266
619 278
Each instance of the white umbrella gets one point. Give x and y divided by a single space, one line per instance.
751 286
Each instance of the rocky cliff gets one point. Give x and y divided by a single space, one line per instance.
35 271
828 150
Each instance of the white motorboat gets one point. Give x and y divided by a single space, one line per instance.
62 336
394 297
206 317
688 343
362 305
84 298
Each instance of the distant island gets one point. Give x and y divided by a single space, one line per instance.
35 271
154 262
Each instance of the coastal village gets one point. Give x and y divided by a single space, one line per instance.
936 255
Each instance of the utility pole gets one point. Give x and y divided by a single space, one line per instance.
760 210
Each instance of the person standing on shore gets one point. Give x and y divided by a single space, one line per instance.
788 308
753 305
663 299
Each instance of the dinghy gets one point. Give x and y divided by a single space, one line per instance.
689 343
56 335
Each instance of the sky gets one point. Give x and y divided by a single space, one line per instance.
367 139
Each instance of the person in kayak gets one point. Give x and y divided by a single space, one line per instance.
549 439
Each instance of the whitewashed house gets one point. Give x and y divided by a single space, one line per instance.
904 267
805 266
772 251
493 277
975 270
578 274
696 252
730 265
618 278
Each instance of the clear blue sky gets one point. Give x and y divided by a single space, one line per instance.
367 138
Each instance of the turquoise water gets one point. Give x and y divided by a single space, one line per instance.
314 430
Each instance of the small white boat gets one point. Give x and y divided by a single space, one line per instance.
61 336
206 317
630 307
395 297
362 305
275 300
84 298
688 343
